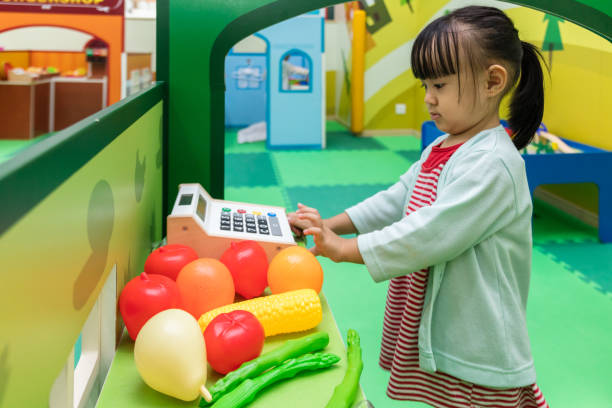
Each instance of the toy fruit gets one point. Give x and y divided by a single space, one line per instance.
143 297
248 264
205 284
169 260
295 268
287 312
170 355
232 339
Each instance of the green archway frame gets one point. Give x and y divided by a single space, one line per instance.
193 37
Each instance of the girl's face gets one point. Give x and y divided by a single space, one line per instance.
454 112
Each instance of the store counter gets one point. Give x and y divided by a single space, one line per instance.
30 109
24 109
125 389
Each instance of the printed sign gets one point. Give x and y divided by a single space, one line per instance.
64 6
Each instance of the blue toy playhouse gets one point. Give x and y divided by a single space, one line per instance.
277 77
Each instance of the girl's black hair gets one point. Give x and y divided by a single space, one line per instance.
482 36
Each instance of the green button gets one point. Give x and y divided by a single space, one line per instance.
225 209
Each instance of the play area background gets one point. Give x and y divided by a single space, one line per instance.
570 298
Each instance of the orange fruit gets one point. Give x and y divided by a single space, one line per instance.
205 284
294 268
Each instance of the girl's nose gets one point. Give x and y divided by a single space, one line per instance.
429 98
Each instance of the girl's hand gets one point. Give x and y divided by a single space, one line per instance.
298 224
327 243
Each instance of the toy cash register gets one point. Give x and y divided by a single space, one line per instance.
209 226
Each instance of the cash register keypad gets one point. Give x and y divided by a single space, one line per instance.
252 223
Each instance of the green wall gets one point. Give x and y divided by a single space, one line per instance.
57 254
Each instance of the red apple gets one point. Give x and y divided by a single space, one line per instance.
248 264
232 339
169 260
145 296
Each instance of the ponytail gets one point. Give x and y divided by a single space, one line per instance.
527 104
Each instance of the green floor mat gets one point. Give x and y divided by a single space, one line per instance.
332 200
249 170
310 168
232 145
569 327
271 195
10 148
399 142
591 262
410 155
347 141
333 126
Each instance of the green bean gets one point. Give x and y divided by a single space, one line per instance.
250 369
247 391
345 392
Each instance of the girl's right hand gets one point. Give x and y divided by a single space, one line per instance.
299 224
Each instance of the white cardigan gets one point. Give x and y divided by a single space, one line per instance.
476 237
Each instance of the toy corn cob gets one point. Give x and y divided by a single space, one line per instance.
288 312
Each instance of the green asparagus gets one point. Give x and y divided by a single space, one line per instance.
247 391
250 369
345 392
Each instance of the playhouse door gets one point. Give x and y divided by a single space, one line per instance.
245 89
297 83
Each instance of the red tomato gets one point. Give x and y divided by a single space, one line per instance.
248 264
145 296
232 339
169 260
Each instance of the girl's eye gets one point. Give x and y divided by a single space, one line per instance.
439 86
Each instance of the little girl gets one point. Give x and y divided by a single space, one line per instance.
454 233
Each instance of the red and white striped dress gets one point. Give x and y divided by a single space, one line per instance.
400 352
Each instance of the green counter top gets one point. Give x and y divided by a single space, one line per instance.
125 388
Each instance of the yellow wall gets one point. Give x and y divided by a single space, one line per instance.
416 113
577 94
330 92
579 86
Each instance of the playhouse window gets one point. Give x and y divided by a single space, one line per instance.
79 382
295 68
248 76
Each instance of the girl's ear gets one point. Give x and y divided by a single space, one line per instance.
497 78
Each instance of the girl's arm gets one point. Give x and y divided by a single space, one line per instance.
481 199
340 224
327 242
383 208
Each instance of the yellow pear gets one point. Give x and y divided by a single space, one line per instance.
170 355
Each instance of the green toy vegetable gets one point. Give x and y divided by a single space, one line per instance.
345 392
247 391
250 369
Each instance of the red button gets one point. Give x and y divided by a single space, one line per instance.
241 211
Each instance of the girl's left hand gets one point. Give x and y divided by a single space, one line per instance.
327 243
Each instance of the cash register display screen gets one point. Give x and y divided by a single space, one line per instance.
185 199
201 209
